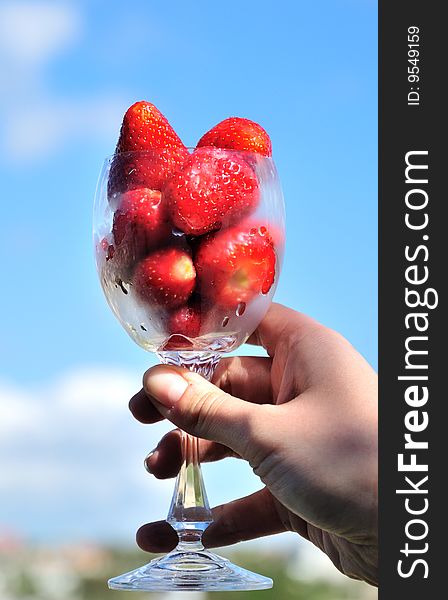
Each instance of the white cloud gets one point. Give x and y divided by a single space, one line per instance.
35 120
40 130
17 414
32 32
71 458
31 36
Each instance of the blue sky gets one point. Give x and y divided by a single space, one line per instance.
305 70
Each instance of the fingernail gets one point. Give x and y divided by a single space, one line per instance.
147 459
166 386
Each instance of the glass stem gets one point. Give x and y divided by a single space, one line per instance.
190 513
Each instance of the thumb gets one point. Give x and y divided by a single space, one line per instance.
202 409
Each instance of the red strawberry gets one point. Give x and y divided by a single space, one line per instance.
166 277
140 222
186 321
150 169
211 190
146 131
275 234
236 264
236 133
184 325
145 128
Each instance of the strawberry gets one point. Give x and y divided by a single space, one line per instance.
160 150
236 133
275 234
145 128
140 222
166 278
150 169
184 324
186 321
235 265
212 189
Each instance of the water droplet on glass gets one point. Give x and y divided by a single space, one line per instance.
240 309
120 283
225 321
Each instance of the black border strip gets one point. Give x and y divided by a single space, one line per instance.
405 128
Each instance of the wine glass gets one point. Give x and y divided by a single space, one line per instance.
235 270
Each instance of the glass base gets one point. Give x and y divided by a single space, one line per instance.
190 571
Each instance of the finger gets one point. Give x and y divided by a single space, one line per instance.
158 536
143 410
245 519
299 346
202 409
246 377
166 460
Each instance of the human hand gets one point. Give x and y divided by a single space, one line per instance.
306 421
